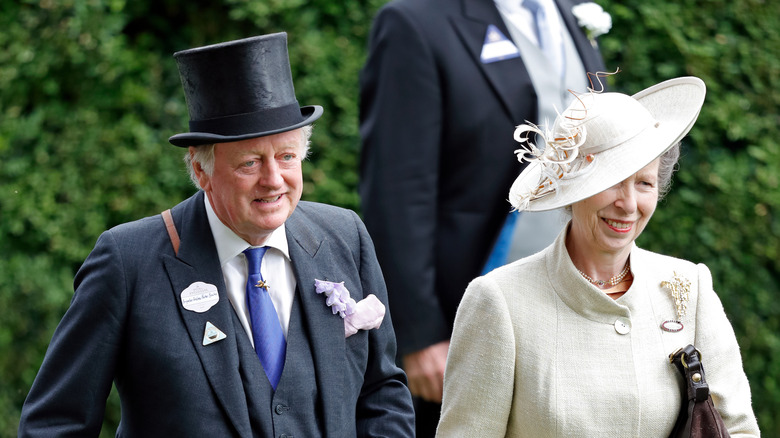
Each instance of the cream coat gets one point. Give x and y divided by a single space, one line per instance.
537 351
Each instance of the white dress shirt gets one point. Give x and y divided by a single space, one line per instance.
513 11
276 270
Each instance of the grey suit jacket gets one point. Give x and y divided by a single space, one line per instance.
126 323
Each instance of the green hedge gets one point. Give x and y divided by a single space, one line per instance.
89 94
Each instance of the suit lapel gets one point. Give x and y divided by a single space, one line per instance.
198 262
591 58
507 78
311 258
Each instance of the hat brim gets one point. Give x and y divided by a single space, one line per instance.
309 113
675 104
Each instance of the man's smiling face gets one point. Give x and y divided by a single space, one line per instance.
256 183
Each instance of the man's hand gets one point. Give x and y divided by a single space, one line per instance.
425 370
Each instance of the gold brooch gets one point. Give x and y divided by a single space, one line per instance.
680 287
261 283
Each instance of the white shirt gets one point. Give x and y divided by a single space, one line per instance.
276 269
521 17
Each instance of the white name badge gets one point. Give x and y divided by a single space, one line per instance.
497 47
199 297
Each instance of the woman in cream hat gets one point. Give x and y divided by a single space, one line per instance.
575 340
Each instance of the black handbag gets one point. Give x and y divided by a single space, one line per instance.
698 417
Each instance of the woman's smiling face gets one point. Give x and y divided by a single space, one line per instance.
610 221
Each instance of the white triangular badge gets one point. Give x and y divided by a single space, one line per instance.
212 334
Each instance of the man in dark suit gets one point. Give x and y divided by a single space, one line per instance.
243 312
445 84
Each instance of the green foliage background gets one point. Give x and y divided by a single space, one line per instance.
89 94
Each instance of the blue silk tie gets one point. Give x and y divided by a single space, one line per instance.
270 344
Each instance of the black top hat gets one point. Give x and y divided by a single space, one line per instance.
238 90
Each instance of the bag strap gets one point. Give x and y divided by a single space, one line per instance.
171 228
688 362
698 416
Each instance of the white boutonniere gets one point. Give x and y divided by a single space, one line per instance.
364 315
593 19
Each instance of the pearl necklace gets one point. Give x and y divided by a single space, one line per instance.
612 281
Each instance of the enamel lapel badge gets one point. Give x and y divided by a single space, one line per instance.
212 334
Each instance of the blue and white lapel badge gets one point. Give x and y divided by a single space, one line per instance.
497 47
212 334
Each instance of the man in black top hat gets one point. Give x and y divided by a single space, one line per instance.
241 311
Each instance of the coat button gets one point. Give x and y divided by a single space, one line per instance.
280 409
622 326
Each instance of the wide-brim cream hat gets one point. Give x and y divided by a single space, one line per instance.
600 140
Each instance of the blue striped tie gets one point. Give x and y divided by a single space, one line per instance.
270 344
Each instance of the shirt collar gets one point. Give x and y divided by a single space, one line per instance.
510 6
229 244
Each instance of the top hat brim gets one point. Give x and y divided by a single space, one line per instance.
674 103
309 115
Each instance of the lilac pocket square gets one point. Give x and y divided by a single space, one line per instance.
369 313
365 315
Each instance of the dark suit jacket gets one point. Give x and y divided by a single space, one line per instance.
126 323
437 159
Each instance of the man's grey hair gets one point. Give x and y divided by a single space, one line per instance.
204 155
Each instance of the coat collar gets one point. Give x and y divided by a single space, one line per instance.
590 56
577 293
312 258
505 77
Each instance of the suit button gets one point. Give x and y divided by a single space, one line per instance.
280 410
